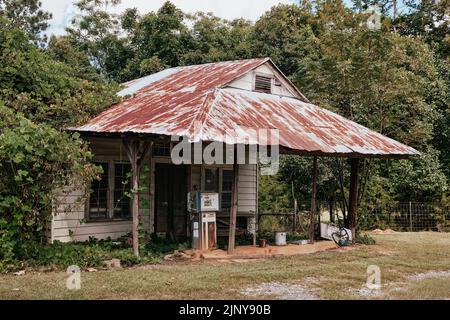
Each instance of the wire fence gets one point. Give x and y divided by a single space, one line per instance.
409 216
403 216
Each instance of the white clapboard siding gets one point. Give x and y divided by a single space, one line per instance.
247 189
67 223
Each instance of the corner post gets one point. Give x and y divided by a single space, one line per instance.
353 195
312 226
233 212
136 152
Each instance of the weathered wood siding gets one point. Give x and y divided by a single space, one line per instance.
68 225
246 187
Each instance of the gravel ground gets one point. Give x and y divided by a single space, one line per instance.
281 291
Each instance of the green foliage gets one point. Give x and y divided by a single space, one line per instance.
87 254
420 178
35 162
40 163
158 245
45 90
26 15
285 34
391 83
273 196
364 239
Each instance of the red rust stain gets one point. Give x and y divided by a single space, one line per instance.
198 94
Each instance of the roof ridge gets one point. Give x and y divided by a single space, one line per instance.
225 61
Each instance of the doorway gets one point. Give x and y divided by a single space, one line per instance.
170 201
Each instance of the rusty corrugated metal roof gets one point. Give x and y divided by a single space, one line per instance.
194 101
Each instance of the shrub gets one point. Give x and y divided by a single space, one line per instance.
364 239
87 254
158 245
35 161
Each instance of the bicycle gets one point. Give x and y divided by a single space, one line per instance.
341 237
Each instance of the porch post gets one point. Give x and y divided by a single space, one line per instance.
233 212
136 152
353 196
312 226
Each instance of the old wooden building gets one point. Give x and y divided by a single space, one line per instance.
202 103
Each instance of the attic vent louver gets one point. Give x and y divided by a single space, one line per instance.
263 84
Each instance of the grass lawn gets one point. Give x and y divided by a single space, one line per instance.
413 266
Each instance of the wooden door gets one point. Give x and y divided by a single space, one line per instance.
170 201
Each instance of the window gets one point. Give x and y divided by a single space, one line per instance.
122 185
161 149
212 180
263 83
227 188
219 180
108 198
98 199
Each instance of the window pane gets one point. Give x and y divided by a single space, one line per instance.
161 149
226 201
122 187
212 179
227 180
98 200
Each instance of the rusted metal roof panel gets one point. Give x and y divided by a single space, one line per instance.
301 126
169 101
195 102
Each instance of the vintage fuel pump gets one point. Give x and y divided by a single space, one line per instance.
202 207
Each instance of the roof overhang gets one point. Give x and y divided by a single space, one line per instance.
194 102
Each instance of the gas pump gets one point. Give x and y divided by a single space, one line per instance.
202 207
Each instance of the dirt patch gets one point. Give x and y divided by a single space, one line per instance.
379 231
429 275
281 291
386 288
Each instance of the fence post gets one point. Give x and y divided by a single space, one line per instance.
410 218
294 224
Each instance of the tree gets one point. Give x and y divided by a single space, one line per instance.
64 49
285 33
28 16
35 161
39 98
388 82
96 32
216 39
45 90
430 20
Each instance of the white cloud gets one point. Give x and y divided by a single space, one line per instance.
63 10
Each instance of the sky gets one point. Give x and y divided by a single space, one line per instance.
63 10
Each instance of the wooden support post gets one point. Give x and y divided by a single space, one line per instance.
312 226
233 212
136 152
353 196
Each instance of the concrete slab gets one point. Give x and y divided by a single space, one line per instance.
251 252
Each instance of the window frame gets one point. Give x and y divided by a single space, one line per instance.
220 191
110 194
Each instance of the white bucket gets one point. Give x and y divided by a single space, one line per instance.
280 238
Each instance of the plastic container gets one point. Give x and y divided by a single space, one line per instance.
280 238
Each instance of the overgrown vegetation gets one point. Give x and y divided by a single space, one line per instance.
364 239
39 98
88 254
